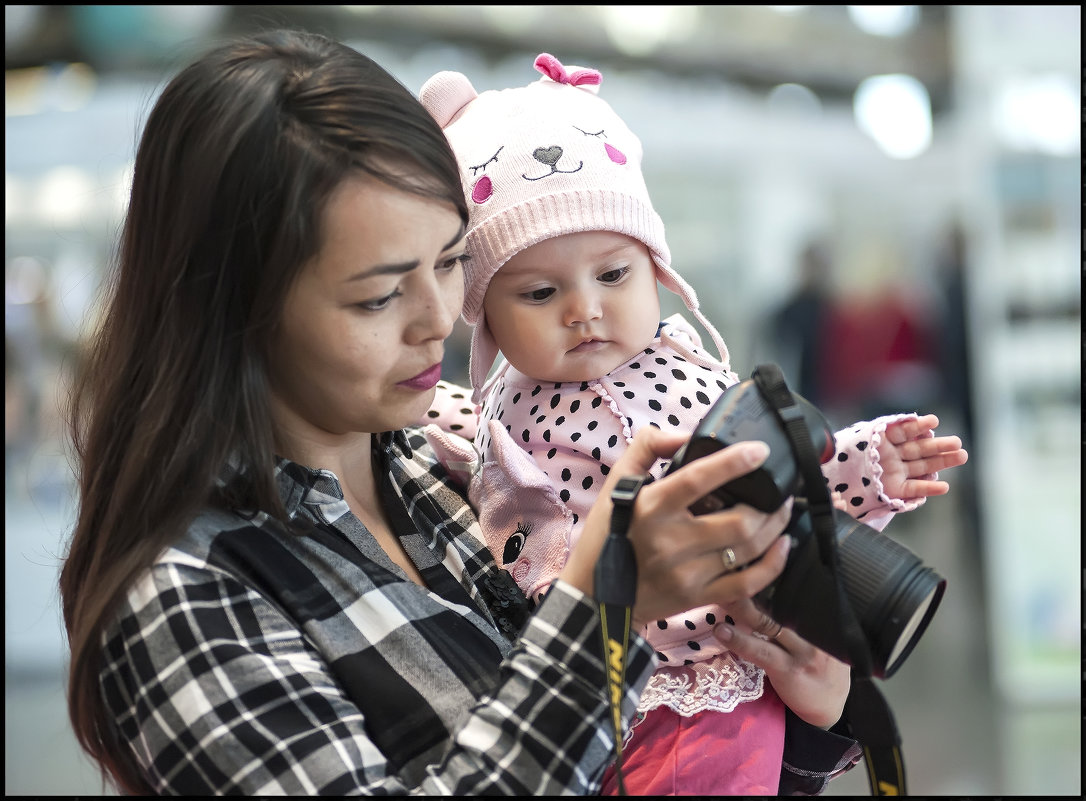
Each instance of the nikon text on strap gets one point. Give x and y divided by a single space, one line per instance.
616 589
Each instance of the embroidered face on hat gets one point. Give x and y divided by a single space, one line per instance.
540 161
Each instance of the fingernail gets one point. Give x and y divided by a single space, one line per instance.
756 452
723 631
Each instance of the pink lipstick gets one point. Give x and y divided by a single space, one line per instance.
427 379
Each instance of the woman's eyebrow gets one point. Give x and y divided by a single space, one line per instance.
399 268
384 269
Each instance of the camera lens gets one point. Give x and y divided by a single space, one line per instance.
892 593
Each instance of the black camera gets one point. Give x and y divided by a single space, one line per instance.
846 588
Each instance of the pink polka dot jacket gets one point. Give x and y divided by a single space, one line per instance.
546 448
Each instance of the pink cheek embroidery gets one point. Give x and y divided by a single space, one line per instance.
520 570
615 154
483 189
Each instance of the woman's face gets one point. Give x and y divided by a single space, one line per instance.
360 344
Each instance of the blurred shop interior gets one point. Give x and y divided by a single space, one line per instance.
884 200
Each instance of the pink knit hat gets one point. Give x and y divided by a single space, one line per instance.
540 161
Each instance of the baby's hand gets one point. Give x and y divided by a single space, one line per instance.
908 456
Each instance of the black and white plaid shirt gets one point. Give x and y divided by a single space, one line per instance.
253 660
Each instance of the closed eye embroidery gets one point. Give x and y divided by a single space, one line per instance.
474 170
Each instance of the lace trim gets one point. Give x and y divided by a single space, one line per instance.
719 684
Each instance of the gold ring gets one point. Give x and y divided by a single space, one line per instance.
774 635
728 557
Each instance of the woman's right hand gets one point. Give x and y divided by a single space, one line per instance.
680 556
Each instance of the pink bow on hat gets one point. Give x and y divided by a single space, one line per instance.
553 69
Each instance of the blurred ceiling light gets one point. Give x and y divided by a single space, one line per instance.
73 87
63 196
793 98
1039 113
641 30
63 87
787 9
23 89
895 111
884 20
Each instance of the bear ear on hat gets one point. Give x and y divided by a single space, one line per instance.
446 94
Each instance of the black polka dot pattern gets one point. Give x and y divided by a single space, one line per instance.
575 431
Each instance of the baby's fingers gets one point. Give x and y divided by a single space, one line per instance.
906 430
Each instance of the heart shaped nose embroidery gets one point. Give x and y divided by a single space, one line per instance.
548 155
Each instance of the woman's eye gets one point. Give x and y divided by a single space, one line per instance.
379 303
453 263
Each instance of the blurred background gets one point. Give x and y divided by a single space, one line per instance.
885 200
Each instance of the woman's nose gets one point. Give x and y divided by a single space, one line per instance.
437 314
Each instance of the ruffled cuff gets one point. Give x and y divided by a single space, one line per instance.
856 472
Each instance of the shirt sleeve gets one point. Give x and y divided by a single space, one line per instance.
813 757
216 691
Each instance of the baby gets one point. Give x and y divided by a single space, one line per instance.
565 256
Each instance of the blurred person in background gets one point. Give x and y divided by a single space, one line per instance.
796 330
272 586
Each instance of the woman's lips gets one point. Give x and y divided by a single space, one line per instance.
425 380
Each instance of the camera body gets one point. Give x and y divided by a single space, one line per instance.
858 595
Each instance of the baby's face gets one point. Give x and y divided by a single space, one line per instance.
574 307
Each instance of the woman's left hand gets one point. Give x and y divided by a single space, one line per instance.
809 681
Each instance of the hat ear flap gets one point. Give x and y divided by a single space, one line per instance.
445 95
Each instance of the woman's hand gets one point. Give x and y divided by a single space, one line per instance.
809 681
681 559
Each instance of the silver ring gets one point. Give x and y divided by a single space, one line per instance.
728 557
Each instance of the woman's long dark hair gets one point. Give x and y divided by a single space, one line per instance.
237 160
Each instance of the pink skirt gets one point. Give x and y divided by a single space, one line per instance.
710 753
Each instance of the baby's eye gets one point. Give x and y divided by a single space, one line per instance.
600 132
539 295
614 276
477 167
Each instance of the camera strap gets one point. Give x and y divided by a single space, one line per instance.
867 714
616 589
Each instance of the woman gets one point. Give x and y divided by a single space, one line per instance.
272 586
